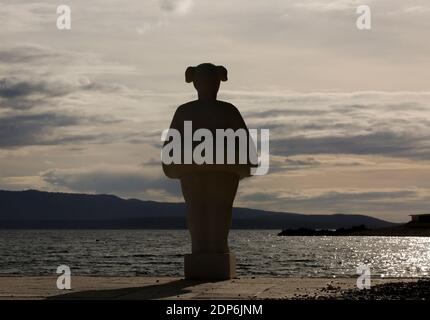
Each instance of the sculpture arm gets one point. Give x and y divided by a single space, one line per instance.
171 170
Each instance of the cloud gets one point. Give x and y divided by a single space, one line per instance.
367 123
26 93
417 9
260 197
302 162
12 88
331 198
23 17
114 180
31 91
26 60
392 205
168 8
410 10
45 98
330 5
27 54
37 129
176 6
391 144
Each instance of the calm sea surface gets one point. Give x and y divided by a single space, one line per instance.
160 252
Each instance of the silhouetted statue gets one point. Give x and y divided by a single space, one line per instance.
209 189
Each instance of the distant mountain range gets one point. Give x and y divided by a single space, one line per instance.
33 209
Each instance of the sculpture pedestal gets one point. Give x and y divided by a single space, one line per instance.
210 266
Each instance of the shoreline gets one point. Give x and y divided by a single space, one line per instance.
142 288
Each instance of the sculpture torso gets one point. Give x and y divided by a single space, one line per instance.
211 115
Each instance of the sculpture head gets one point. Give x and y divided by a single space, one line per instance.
206 78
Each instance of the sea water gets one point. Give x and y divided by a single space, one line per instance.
160 253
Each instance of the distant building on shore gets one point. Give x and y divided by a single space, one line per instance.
420 218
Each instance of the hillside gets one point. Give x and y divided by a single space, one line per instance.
37 209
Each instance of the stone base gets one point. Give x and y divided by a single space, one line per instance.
211 266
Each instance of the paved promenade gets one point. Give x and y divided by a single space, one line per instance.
176 288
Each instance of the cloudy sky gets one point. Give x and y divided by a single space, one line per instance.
83 110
